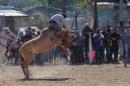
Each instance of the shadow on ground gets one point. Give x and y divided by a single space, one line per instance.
45 79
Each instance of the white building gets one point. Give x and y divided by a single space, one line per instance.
12 18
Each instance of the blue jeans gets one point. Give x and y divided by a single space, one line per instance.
127 53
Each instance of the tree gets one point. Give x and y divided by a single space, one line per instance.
84 3
22 3
2 2
58 4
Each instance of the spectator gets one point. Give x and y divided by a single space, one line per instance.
86 30
126 38
11 36
98 37
33 33
28 34
77 49
114 44
79 45
106 46
108 28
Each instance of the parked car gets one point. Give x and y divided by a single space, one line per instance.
22 29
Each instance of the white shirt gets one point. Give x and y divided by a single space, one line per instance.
59 19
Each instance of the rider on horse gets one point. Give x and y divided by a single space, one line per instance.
58 23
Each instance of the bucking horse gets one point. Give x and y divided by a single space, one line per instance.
40 44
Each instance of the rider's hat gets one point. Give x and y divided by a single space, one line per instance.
64 15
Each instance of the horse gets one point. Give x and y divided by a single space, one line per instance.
42 44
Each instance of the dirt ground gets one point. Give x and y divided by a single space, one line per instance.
66 75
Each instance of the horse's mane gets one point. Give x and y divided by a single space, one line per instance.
43 30
46 29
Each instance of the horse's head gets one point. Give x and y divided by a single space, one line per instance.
68 39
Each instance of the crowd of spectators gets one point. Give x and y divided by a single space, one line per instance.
13 44
106 43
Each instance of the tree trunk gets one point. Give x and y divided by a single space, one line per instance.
121 9
95 26
64 6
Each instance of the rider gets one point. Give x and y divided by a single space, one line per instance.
58 23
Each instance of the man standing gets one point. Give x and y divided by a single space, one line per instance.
126 38
86 31
98 40
106 46
114 38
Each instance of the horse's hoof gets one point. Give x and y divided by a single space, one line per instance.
26 78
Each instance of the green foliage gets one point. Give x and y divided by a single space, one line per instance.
24 3
40 19
84 3
2 1
68 4
56 3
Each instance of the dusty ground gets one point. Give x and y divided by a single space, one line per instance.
66 75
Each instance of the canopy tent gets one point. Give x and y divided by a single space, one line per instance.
12 18
10 11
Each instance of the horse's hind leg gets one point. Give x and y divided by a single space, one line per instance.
26 59
25 69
